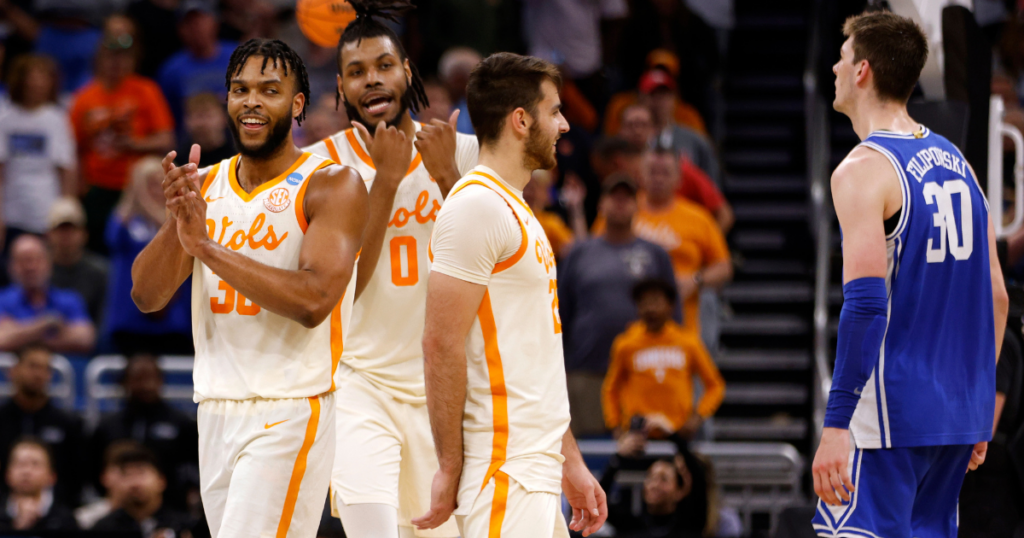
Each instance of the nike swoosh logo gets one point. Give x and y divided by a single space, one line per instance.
268 425
857 391
208 199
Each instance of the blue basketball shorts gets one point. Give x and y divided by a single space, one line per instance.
899 493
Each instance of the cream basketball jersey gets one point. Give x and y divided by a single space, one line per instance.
517 405
383 341
244 351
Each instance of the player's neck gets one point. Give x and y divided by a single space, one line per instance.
253 172
873 115
407 126
507 162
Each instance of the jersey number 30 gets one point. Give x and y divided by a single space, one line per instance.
961 243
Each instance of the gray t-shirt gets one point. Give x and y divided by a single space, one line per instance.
595 296
568 32
89 278
694 146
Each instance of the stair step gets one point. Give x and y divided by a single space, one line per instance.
761 83
768 292
781 428
730 359
764 324
745 107
781 211
758 157
771 267
759 239
759 184
765 394
761 134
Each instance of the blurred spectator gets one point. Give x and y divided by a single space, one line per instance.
30 503
143 509
148 419
440 102
17 16
74 267
685 142
200 66
320 123
112 480
321 69
159 39
638 127
31 412
68 32
537 194
242 20
37 150
616 155
118 118
132 226
684 113
453 69
594 289
206 122
577 109
439 25
650 377
33 311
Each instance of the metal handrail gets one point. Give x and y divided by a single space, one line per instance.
62 388
997 129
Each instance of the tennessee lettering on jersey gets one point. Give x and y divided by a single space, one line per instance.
659 359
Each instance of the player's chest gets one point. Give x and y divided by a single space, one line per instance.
267 225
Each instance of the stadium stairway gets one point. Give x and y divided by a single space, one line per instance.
767 332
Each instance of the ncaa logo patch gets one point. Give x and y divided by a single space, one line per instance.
278 200
294 178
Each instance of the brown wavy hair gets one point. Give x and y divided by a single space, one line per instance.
18 75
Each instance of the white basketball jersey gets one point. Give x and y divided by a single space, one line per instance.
383 341
244 351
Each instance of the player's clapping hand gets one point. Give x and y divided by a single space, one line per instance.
587 499
391 153
185 202
830 470
436 143
978 456
443 493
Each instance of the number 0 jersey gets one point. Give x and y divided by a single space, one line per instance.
383 341
934 383
244 351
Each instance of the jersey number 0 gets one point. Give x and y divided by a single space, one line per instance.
961 242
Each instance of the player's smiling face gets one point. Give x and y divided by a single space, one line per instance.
261 106
373 80
548 126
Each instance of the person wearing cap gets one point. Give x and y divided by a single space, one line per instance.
595 283
118 118
684 113
200 66
74 267
658 91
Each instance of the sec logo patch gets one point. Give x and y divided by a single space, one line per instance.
277 201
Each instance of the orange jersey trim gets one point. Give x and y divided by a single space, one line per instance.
332 149
513 259
499 394
299 469
498 505
337 340
361 153
210 176
249 196
300 198
504 188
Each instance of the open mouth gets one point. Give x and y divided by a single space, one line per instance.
252 123
377 104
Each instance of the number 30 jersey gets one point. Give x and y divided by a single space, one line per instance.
934 383
383 342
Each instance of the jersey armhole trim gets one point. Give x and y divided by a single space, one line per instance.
210 177
332 149
512 260
300 198
353 141
904 188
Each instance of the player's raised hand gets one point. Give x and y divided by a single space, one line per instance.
978 456
586 497
436 143
443 492
831 470
391 153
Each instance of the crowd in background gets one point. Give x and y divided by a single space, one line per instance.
94 93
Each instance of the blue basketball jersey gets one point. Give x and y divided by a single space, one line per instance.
935 379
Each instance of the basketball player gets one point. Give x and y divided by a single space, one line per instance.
925 306
495 372
270 240
384 454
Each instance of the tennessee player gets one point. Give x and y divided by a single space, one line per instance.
385 455
495 372
270 240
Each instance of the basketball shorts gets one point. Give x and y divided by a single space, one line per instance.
506 509
384 453
899 492
264 465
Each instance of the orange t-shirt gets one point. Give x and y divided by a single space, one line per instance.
136 109
652 373
559 235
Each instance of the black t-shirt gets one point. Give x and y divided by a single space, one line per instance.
89 278
61 430
164 518
58 518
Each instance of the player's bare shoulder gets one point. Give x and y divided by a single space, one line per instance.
865 171
337 187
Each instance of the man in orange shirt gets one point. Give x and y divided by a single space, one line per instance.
651 371
118 118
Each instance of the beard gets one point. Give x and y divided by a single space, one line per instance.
404 104
279 132
538 153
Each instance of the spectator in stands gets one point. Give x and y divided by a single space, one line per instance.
159 39
653 363
200 66
616 155
37 149
537 194
74 267
206 122
660 88
31 412
69 33
594 293
33 311
132 226
112 480
148 419
118 118
440 102
453 70
30 503
683 114
143 509
242 20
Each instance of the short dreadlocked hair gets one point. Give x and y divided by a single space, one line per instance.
367 25
271 50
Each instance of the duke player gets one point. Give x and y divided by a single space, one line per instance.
914 382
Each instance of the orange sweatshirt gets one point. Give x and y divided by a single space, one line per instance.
653 373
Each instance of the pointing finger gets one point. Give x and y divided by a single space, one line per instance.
193 156
367 137
454 119
168 161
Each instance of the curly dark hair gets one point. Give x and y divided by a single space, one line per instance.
271 50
